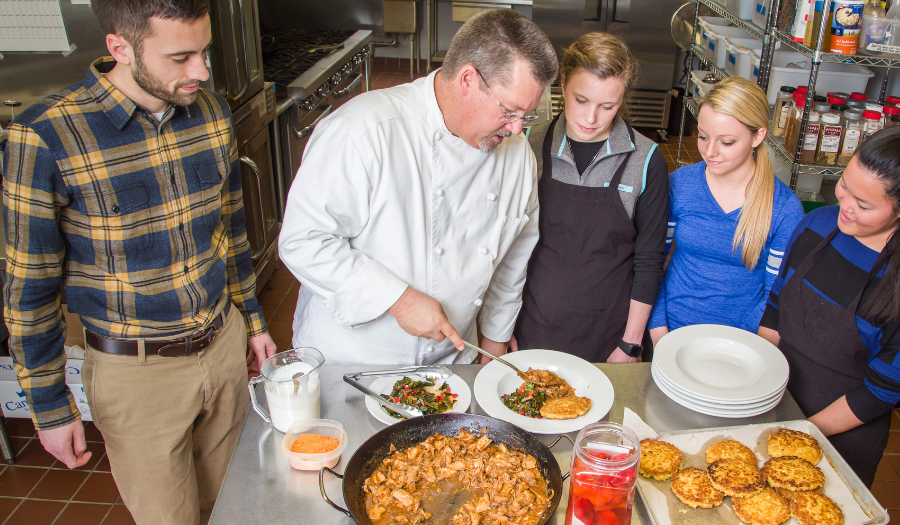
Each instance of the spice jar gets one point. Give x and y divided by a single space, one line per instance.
792 129
811 138
839 94
871 123
893 100
891 116
852 136
783 104
840 109
604 472
857 100
829 139
836 100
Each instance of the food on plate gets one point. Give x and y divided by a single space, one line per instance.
731 449
602 498
736 478
659 460
786 442
314 444
793 473
811 508
692 487
765 508
424 395
549 383
788 494
527 400
496 485
565 407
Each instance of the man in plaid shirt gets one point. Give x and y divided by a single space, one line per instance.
126 188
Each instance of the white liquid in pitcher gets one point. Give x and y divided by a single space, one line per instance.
293 400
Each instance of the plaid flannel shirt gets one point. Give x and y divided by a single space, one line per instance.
143 219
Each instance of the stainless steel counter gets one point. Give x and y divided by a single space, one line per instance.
261 487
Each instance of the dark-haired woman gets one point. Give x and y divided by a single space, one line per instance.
834 309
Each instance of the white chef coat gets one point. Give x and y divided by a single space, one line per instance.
386 197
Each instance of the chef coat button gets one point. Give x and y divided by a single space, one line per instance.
439 251
429 348
437 136
439 192
483 250
492 196
478 302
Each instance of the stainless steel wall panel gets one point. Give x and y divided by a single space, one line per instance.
342 15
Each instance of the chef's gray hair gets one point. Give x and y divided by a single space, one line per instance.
492 40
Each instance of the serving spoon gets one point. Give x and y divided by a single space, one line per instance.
504 361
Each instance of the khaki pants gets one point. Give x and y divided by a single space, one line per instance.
171 423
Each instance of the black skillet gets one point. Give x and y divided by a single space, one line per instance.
416 430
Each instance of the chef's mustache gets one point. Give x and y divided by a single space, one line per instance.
487 145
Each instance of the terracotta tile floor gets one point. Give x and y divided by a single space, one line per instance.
39 490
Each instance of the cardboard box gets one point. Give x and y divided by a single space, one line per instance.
12 398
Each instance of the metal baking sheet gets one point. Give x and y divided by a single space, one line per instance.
864 498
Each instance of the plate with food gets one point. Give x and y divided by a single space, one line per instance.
431 396
563 394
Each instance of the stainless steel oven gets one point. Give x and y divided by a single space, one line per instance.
236 67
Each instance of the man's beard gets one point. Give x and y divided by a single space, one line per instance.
154 87
486 145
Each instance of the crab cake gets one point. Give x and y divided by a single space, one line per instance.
792 473
692 486
785 442
736 478
731 449
659 460
766 508
565 407
810 508
788 494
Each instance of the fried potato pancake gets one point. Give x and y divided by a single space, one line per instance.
692 486
765 508
788 494
736 478
659 460
787 442
810 508
565 407
731 449
793 473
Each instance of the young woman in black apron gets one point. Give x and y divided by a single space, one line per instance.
834 310
603 189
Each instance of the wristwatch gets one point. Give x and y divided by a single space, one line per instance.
631 349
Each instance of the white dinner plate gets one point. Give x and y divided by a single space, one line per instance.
721 363
384 385
734 412
496 379
661 381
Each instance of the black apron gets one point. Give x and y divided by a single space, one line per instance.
828 359
578 285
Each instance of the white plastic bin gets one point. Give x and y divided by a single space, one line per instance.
705 22
715 45
742 9
737 56
699 88
790 68
761 13
754 65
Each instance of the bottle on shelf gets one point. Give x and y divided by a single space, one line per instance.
836 100
873 28
802 17
845 23
852 136
873 105
871 123
783 105
891 116
790 133
840 94
829 139
892 99
812 29
840 109
857 100
811 138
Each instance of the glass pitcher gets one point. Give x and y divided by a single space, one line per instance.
291 381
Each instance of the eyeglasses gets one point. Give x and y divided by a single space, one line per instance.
507 116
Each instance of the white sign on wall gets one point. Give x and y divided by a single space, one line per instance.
32 25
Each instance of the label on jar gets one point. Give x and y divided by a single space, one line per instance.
831 138
851 141
812 136
783 114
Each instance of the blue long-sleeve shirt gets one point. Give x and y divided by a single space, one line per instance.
837 277
706 282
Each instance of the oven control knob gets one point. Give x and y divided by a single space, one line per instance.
323 90
308 104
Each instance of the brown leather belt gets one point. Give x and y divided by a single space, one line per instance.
167 348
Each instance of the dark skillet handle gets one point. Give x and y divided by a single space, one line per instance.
551 445
322 489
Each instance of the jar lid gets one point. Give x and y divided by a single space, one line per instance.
802 89
856 95
852 114
831 118
800 102
822 107
872 115
892 100
787 89
820 98
840 108
891 110
813 116
799 95
836 100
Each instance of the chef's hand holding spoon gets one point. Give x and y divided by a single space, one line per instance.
420 315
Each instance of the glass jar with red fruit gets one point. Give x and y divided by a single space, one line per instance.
603 475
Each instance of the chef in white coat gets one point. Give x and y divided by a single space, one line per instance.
414 211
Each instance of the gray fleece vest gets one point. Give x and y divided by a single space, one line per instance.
604 165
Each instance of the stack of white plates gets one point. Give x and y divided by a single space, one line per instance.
720 371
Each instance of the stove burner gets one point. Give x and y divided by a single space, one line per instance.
288 53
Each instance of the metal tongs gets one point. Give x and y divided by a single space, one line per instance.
407 411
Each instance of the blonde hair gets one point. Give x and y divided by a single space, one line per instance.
604 55
745 101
